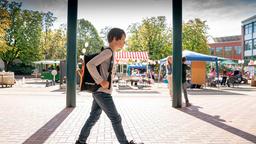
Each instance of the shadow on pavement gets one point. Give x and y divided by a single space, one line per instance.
41 82
59 90
240 89
216 121
41 135
138 91
210 92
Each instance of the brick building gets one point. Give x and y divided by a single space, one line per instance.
227 47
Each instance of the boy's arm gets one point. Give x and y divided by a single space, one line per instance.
97 60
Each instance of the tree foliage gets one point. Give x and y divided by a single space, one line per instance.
194 36
153 36
4 24
87 33
47 35
23 35
56 44
104 33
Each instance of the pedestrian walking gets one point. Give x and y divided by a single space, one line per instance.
102 99
185 67
169 74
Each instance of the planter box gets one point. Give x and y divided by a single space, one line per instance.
253 82
7 78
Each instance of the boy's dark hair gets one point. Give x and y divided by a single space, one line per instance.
184 59
115 33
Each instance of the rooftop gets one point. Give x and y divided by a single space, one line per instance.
227 38
249 19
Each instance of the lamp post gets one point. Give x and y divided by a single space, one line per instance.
241 62
83 51
86 44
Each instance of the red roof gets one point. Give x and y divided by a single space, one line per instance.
131 55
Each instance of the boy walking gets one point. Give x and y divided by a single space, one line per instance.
102 99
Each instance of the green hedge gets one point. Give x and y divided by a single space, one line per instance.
21 69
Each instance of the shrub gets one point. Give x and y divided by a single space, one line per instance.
21 69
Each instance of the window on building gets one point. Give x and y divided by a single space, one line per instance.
254 44
254 27
219 51
212 51
228 51
237 50
248 45
248 29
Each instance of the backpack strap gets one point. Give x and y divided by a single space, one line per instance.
110 68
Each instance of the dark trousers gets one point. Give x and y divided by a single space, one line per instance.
103 101
223 81
184 88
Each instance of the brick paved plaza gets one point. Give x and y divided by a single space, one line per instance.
34 114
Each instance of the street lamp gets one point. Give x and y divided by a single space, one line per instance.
83 51
86 44
241 61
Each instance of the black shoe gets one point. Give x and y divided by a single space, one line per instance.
133 142
188 104
78 142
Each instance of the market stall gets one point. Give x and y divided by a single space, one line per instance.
252 72
131 66
198 61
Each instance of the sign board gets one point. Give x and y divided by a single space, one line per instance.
54 72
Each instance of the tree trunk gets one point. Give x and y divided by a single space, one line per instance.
6 66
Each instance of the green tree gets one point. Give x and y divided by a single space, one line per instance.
56 44
48 20
194 36
4 23
87 33
153 36
23 36
104 33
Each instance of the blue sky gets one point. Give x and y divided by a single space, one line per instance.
223 16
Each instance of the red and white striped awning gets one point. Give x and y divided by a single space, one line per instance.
125 56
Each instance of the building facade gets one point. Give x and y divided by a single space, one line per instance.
227 47
249 38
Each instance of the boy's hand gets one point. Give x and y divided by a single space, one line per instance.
104 84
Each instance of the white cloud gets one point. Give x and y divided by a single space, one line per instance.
223 16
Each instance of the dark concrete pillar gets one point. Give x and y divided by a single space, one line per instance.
71 54
177 52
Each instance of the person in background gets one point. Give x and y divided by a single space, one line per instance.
185 67
212 74
169 74
224 77
80 71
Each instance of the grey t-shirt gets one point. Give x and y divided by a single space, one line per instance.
103 59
